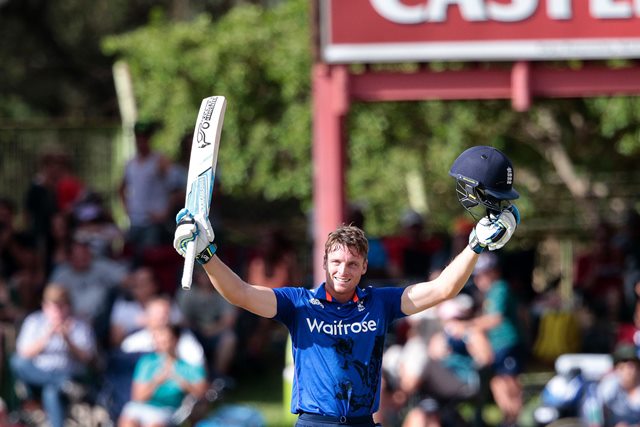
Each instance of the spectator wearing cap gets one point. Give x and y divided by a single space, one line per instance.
91 282
618 392
54 348
499 321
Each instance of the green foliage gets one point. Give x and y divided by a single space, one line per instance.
250 56
259 58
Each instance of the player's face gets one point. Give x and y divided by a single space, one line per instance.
344 269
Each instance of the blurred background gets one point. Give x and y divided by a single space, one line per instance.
77 76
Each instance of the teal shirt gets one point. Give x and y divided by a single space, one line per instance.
169 393
500 300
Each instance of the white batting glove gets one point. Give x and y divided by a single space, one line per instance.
493 232
198 228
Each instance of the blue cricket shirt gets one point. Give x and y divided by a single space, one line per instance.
337 348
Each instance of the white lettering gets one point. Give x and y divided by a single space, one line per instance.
338 328
396 11
610 9
498 10
518 10
559 9
356 328
471 10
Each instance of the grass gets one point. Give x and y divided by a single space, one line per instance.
265 393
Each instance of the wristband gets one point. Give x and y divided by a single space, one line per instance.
206 255
474 243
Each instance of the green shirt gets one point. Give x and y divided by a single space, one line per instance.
500 300
169 393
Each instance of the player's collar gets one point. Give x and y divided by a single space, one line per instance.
321 293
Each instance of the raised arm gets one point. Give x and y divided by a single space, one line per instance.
489 233
256 299
448 284
259 300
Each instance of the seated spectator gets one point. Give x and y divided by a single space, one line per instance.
92 283
158 314
435 375
213 321
93 222
160 382
128 312
21 269
54 348
499 321
618 392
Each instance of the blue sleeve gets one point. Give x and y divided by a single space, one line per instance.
287 298
392 300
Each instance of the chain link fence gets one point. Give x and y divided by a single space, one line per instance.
95 154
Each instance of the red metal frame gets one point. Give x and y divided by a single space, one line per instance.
334 88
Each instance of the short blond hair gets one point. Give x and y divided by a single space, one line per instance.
56 293
347 236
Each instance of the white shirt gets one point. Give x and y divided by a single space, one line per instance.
56 355
188 348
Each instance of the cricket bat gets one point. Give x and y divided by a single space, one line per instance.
202 169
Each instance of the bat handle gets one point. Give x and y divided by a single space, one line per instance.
189 259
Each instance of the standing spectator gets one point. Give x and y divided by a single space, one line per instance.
414 253
273 266
54 348
213 321
160 381
599 274
92 283
69 188
144 193
377 259
41 203
177 175
8 251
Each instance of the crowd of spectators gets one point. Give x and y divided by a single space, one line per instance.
82 300
89 308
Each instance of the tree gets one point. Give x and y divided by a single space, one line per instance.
259 58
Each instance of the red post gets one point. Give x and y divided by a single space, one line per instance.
330 106
521 86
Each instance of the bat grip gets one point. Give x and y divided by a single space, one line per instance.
189 260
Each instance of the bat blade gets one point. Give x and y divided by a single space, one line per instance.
202 169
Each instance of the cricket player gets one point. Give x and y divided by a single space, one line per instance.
338 329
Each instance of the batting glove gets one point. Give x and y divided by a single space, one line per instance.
198 228
494 231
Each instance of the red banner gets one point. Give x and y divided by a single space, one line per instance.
425 30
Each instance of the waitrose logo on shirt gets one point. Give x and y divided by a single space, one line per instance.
339 328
